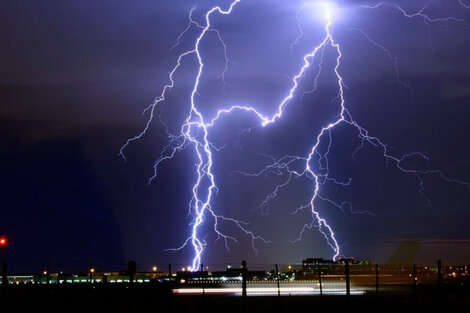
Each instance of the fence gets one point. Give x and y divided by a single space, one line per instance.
313 277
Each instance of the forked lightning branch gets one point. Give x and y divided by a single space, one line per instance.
195 131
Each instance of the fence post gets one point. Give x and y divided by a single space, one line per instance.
201 270
48 274
439 274
91 270
244 274
348 285
319 279
170 285
131 270
468 275
376 280
277 280
414 279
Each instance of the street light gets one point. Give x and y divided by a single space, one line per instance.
92 271
3 244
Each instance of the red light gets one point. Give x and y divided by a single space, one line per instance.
3 241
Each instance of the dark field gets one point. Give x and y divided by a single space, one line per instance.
157 298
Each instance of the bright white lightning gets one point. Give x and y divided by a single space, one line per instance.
195 132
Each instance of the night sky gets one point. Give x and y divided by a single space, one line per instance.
76 75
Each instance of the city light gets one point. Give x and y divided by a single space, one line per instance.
3 241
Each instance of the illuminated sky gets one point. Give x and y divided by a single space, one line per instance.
76 76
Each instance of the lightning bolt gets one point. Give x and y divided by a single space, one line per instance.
419 14
387 52
463 4
299 28
195 133
428 20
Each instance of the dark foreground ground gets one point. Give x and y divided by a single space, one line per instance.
154 298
